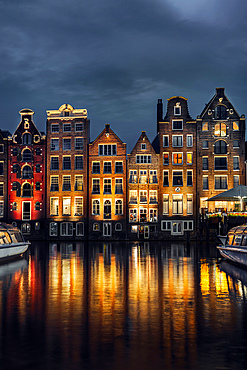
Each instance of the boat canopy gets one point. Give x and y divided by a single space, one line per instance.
239 229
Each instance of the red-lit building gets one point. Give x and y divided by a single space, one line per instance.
26 173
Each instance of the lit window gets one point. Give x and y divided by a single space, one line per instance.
78 206
235 126
119 207
143 196
133 197
143 178
153 179
165 158
66 206
177 204
165 204
133 215
189 204
177 158
189 158
153 215
143 215
133 177
78 182
54 183
153 197
96 207
220 129
54 206
205 126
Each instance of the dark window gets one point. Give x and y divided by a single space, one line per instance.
220 163
205 163
37 206
178 178
220 147
27 172
220 112
107 167
38 169
118 167
189 178
37 185
1 168
27 139
165 178
26 155
38 151
27 190
96 167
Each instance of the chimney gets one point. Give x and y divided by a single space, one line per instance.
159 113
220 92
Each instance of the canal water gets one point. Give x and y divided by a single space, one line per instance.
122 306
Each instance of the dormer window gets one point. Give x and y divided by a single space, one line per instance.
177 109
220 112
66 113
143 146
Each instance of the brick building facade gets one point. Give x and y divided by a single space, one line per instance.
107 186
68 132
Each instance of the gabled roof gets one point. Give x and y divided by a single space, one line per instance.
143 138
218 98
106 130
23 113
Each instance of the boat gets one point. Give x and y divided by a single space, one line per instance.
12 243
235 246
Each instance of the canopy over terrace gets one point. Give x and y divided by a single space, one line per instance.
238 193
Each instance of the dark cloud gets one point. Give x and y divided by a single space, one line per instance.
116 58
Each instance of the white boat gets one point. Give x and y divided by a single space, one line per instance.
235 246
12 243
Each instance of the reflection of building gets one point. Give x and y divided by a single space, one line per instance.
220 150
26 153
176 143
107 186
142 195
67 139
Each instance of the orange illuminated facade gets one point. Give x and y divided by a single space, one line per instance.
143 190
107 186
26 173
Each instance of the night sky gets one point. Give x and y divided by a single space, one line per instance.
117 58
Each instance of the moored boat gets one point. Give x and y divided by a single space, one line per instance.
235 246
12 243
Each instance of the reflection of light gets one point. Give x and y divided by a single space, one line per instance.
204 278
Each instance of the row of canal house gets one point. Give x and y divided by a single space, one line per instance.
61 185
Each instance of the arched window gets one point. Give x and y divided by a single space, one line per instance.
220 129
119 207
96 226
26 190
26 228
26 139
26 155
118 226
16 186
96 207
79 229
220 112
107 209
37 206
220 147
27 172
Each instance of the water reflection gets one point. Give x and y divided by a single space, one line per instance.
118 305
